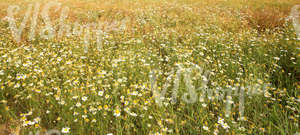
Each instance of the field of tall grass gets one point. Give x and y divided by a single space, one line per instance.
134 67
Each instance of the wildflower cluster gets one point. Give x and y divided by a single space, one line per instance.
176 68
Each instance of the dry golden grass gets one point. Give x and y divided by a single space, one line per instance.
261 15
266 19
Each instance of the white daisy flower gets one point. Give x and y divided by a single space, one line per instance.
205 128
84 98
100 93
117 112
78 104
65 130
1 72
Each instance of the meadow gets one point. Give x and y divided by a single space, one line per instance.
134 67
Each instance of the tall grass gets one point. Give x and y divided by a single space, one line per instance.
54 84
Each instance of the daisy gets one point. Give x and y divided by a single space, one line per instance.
133 114
205 128
100 93
65 130
78 104
117 113
84 98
